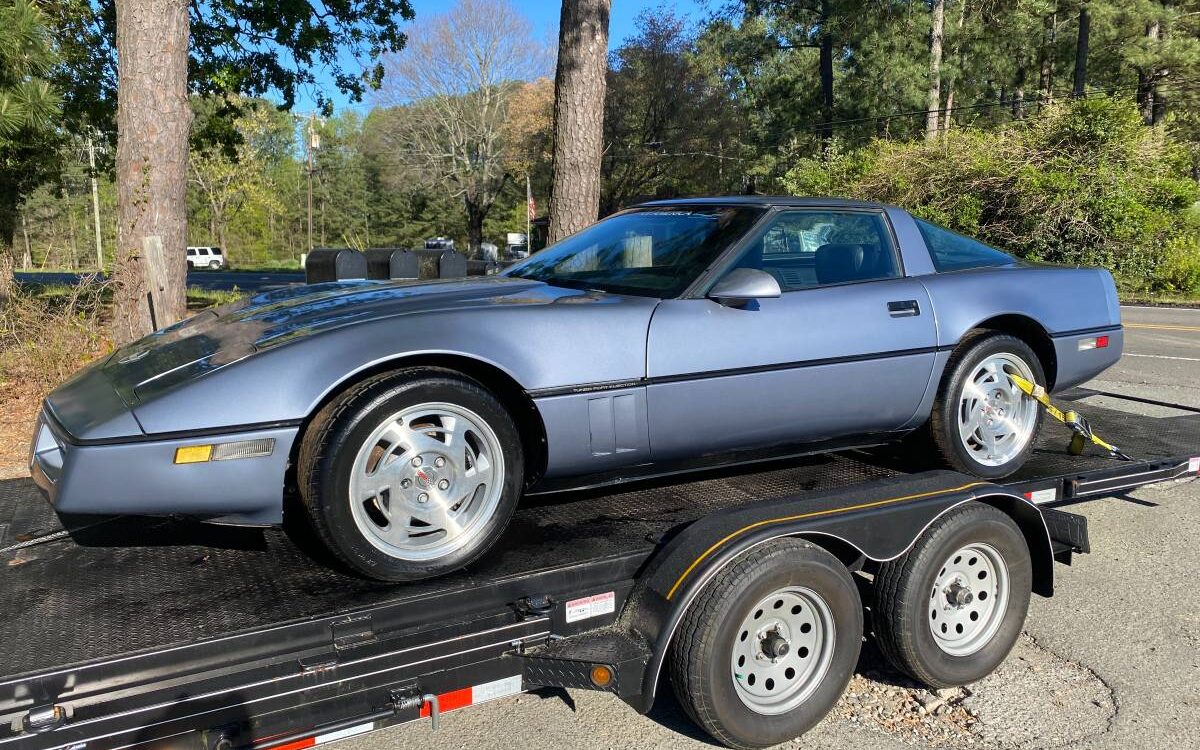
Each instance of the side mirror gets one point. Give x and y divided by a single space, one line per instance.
743 285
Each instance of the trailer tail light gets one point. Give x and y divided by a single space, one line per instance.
1093 342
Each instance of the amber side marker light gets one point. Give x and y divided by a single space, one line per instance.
602 676
199 454
193 454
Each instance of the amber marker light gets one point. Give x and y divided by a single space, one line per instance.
602 676
193 454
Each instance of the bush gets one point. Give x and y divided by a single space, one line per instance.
48 334
1180 269
1083 182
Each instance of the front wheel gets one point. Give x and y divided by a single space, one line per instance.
214 265
412 474
769 645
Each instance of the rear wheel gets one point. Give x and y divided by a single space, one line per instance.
412 474
948 612
982 423
769 645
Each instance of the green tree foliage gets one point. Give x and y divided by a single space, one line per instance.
810 96
29 107
1082 182
669 126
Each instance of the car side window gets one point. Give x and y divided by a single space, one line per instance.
811 248
951 251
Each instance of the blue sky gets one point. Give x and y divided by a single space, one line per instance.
544 16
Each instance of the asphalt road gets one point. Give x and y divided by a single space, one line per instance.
1112 661
249 281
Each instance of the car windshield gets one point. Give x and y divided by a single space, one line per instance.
654 252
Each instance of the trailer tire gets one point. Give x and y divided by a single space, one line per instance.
811 625
467 472
948 611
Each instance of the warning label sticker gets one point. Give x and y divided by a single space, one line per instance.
591 606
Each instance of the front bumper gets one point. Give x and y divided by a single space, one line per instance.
140 476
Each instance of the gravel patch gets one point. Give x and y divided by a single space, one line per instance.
1035 699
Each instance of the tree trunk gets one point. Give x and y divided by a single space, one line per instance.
153 119
578 115
27 256
1046 64
9 199
958 59
1147 91
475 216
826 73
1081 51
1018 97
934 99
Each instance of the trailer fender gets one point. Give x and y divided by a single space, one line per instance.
878 520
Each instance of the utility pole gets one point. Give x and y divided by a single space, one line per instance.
312 142
529 209
95 204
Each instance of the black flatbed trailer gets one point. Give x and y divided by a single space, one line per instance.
166 633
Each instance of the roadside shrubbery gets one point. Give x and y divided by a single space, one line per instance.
45 337
1082 182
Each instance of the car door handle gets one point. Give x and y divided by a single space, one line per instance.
905 308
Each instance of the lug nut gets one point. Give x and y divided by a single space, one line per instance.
444 484
422 498
406 483
439 462
416 461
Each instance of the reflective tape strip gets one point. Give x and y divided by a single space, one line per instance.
1042 496
321 739
470 696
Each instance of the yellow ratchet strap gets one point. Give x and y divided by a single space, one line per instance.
1079 427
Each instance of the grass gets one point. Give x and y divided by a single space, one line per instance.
200 299
1165 300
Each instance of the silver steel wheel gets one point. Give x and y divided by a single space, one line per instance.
995 418
427 481
969 599
782 650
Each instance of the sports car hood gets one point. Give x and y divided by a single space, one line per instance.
225 335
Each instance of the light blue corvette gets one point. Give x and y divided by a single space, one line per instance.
409 417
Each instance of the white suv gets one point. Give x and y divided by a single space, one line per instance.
205 257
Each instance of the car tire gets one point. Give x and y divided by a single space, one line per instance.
214 265
411 474
961 424
949 611
714 656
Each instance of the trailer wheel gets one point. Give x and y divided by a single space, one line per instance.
949 610
769 646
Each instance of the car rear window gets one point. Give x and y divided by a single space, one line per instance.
952 251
